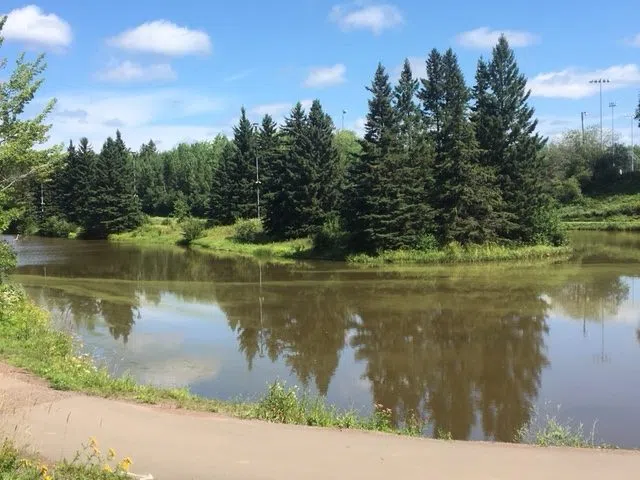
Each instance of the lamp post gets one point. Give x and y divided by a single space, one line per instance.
343 114
582 115
612 106
255 125
600 81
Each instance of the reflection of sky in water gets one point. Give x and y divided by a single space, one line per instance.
181 336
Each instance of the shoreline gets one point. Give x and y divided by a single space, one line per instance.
221 241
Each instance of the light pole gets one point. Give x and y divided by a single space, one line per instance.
255 125
612 106
600 81
582 115
343 114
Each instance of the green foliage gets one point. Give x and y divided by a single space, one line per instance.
192 229
180 208
20 162
550 432
112 206
248 231
58 227
8 260
331 240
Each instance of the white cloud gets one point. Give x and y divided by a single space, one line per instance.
127 71
326 76
358 126
163 37
30 24
277 110
484 37
238 76
161 114
273 109
574 83
376 18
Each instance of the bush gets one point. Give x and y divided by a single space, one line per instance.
569 191
192 229
8 260
428 243
180 209
57 227
248 231
331 239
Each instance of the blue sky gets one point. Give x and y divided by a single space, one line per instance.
179 71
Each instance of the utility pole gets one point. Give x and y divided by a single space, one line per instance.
343 114
582 115
612 106
255 125
600 81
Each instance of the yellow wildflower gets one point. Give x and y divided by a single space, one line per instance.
93 443
125 464
107 468
111 454
47 477
43 470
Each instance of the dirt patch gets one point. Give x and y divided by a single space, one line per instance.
18 389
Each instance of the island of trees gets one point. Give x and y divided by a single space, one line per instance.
440 163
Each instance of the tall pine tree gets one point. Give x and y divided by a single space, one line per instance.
413 181
113 205
369 209
465 198
506 133
287 196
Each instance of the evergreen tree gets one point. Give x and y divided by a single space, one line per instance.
507 135
84 178
113 206
431 94
287 199
369 210
465 199
322 189
149 179
235 180
414 215
269 147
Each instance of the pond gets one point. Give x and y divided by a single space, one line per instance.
479 351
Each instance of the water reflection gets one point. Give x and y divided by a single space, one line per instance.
465 348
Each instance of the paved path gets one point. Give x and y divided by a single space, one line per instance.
182 446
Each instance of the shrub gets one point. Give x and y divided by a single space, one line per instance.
428 243
55 226
192 229
569 191
180 209
331 239
248 231
8 260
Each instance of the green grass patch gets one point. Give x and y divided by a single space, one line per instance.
613 208
88 464
455 253
605 225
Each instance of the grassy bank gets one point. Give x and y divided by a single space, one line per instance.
28 341
224 239
459 254
612 213
221 239
88 464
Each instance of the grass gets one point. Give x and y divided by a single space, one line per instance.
606 225
223 240
88 464
220 239
548 431
612 208
454 253
28 341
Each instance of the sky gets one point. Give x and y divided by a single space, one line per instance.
180 71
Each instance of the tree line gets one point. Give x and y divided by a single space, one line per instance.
439 162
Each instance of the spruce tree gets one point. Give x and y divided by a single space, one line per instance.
223 199
465 199
507 135
287 200
368 211
323 169
431 93
269 147
414 215
113 206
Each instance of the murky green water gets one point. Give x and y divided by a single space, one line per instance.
474 349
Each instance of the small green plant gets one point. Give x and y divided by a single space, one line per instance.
548 431
181 208
428 243
192 229
248 231
8 260
331 239
57 227
442 434
280 405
